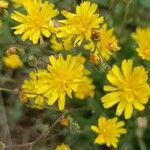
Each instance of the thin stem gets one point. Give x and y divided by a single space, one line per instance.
126 14
64 50
139 133
142 144
9 90
41 137
5 135
111 4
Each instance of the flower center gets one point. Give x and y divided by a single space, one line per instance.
129 92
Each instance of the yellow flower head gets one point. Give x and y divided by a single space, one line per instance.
59 44
37 21
128 88
142 38
3 4
106 43
12 61
85 89
109 131
62 147
79 25
63 78
29 90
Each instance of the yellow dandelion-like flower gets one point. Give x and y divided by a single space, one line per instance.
142 38
62 78
12 61
106 43
29 90
79 25
37 21
109 131
62 147
59 44
3 4
85 89
128 87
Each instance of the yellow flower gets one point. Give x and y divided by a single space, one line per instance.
109 131
3 4
62 147
128 87
85 89
79 25
12 61
37 21
62 78
106 43
29 91
142 38
59 44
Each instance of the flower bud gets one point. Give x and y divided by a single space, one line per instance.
32 61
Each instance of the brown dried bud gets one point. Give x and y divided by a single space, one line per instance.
95 35
11 50
142 122
94 59
23 97
56 23
65 121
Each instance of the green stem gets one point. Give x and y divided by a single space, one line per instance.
139 133
125 15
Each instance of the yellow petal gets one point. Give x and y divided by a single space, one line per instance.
128 110
120 108
95 129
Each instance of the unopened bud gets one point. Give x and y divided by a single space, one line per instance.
32 61
11 50
15 50
74 128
